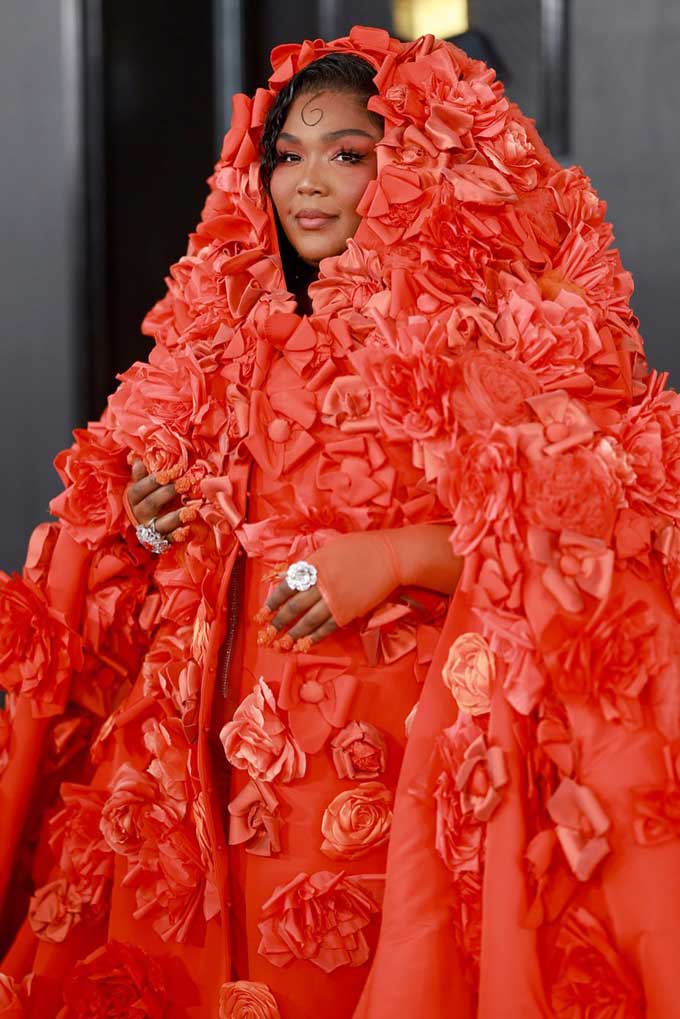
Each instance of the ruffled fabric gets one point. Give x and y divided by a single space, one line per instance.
472 357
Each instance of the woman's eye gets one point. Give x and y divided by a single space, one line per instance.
349 156
286 157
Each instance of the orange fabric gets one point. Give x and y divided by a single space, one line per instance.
358 572
201 826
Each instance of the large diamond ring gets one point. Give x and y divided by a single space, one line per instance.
148 536
300 576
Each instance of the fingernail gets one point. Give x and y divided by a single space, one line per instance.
180 534
188 514
283 644
304 644
266 636
263 616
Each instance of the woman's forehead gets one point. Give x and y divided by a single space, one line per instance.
327 112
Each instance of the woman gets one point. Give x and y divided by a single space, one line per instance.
467 367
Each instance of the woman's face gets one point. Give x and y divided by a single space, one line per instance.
326 157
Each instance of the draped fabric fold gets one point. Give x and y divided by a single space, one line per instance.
465 811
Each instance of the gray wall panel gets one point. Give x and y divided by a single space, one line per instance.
625 85
38 322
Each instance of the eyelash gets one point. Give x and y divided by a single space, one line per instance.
356 157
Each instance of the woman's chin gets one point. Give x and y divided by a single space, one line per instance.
313 249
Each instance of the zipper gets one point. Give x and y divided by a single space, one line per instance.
234 593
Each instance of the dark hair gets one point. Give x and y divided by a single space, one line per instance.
339 72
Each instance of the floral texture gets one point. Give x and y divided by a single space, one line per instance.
359 751
357 821
115 982
243 999
319 917
469 673
257 741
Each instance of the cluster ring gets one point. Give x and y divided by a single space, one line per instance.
300 576
149 537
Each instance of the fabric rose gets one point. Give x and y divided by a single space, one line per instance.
458 833
411 378
169 879
555 338
611 660
469 673
349 285
54 910
133 798
254 819
171 750
319 917
316 691
580 825
482 485
38 650
357 821
78 844
359 751
95 472
165 413
650 436
492 389
116 981
257 741
574 565
593 978
571 491
481 776
243 999
11 1006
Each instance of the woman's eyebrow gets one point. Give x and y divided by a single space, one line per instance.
330 137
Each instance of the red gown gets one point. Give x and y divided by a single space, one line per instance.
198 825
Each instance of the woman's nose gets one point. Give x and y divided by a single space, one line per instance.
311 181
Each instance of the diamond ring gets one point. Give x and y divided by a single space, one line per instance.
148 536
300 576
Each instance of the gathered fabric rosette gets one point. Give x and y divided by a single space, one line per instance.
478 324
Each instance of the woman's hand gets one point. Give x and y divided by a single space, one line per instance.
146 499
355 573
305 612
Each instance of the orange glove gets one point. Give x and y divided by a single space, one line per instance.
358 571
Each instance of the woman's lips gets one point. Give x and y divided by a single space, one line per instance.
312 219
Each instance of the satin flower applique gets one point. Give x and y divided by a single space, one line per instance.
480 777
574 565
319 917
317 692
254 819
593 977
357 821
115 981
469 673
581 826
244 999
359 751
257 740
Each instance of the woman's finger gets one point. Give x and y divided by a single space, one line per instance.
167 524
142 489
279 595
296 607
150 507
316 617
138 470
325 630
